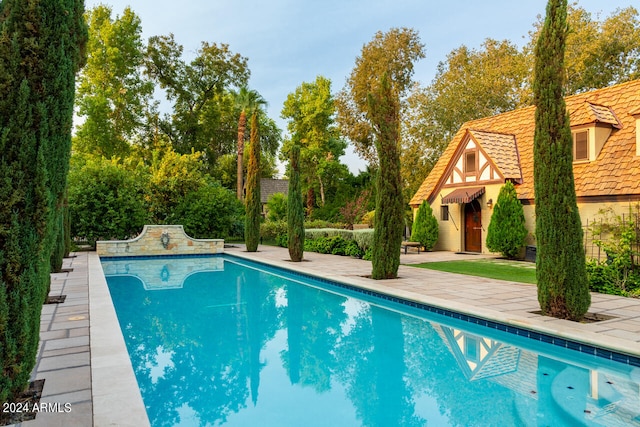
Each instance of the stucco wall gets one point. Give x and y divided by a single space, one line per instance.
451 233
152 242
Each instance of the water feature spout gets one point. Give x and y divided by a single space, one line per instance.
164 239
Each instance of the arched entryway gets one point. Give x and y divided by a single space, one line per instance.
472 227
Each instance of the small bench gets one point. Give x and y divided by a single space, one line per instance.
406 245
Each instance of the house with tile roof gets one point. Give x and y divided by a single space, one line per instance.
486 153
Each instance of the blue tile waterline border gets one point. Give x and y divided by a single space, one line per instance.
143 257
515 330
518 331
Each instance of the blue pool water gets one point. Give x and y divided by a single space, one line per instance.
222 341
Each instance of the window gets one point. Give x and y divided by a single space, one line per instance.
470 162
471 349
581 145
444 212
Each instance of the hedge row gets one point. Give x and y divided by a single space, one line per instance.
336 241
271 230
363 238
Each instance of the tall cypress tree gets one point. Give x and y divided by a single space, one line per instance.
39 53
561 269
295 208
389 222
253 206
64 37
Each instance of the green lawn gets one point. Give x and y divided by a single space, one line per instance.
491 268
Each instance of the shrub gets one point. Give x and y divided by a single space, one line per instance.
212 212
335 245
277 207
425 227
368 218
352 249
282 240
507 231
617 235
353 210
316 233
344 233
320 223
607 278
106 202
270 230
338 245
173 176
364 238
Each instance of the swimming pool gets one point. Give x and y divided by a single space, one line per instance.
223 341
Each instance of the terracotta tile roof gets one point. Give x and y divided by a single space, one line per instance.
502 150
588 113
615 172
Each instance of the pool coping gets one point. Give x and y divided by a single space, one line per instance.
116 395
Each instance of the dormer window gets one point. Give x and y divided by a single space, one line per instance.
581 145
591 126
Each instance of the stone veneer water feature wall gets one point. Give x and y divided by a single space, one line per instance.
160 240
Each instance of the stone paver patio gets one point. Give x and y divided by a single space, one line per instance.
86 368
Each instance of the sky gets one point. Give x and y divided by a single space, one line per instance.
288 42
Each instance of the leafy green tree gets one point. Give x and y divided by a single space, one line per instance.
247 101
393 53
172 177
113 97
310 112
277 207
425 228
252 202
599 53
563 289
106 200
295 209
210 212
41 46
202 111
507 231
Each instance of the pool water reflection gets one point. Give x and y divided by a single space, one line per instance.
237 344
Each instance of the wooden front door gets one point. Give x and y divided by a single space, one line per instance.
472 227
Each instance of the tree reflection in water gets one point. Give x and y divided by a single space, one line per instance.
243 344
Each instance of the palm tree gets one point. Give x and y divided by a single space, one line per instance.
247 101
